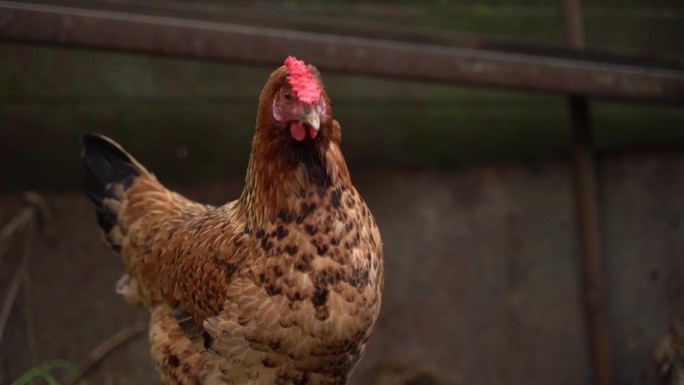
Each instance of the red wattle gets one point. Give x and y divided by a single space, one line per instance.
312 132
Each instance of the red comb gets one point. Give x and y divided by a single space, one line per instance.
303 83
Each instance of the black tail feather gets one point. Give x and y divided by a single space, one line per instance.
107 166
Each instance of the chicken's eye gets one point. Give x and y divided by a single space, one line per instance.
287 95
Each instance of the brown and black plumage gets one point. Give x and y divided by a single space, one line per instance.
282 285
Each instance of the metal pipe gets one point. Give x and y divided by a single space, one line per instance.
574 26
587 208
162 35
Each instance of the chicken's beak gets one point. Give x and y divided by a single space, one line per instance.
309 115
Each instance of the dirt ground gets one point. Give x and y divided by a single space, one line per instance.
482 280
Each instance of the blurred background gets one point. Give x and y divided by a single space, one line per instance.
524 160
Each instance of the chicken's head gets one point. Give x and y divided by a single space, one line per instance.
299 102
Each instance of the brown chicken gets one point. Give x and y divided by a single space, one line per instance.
282 285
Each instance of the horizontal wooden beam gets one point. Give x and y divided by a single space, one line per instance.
211 40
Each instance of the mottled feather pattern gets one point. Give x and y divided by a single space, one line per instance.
282 286
180 361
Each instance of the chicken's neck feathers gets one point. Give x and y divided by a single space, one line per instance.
277 182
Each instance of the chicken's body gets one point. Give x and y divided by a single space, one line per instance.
281 286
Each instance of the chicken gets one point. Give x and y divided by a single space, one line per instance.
280 286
